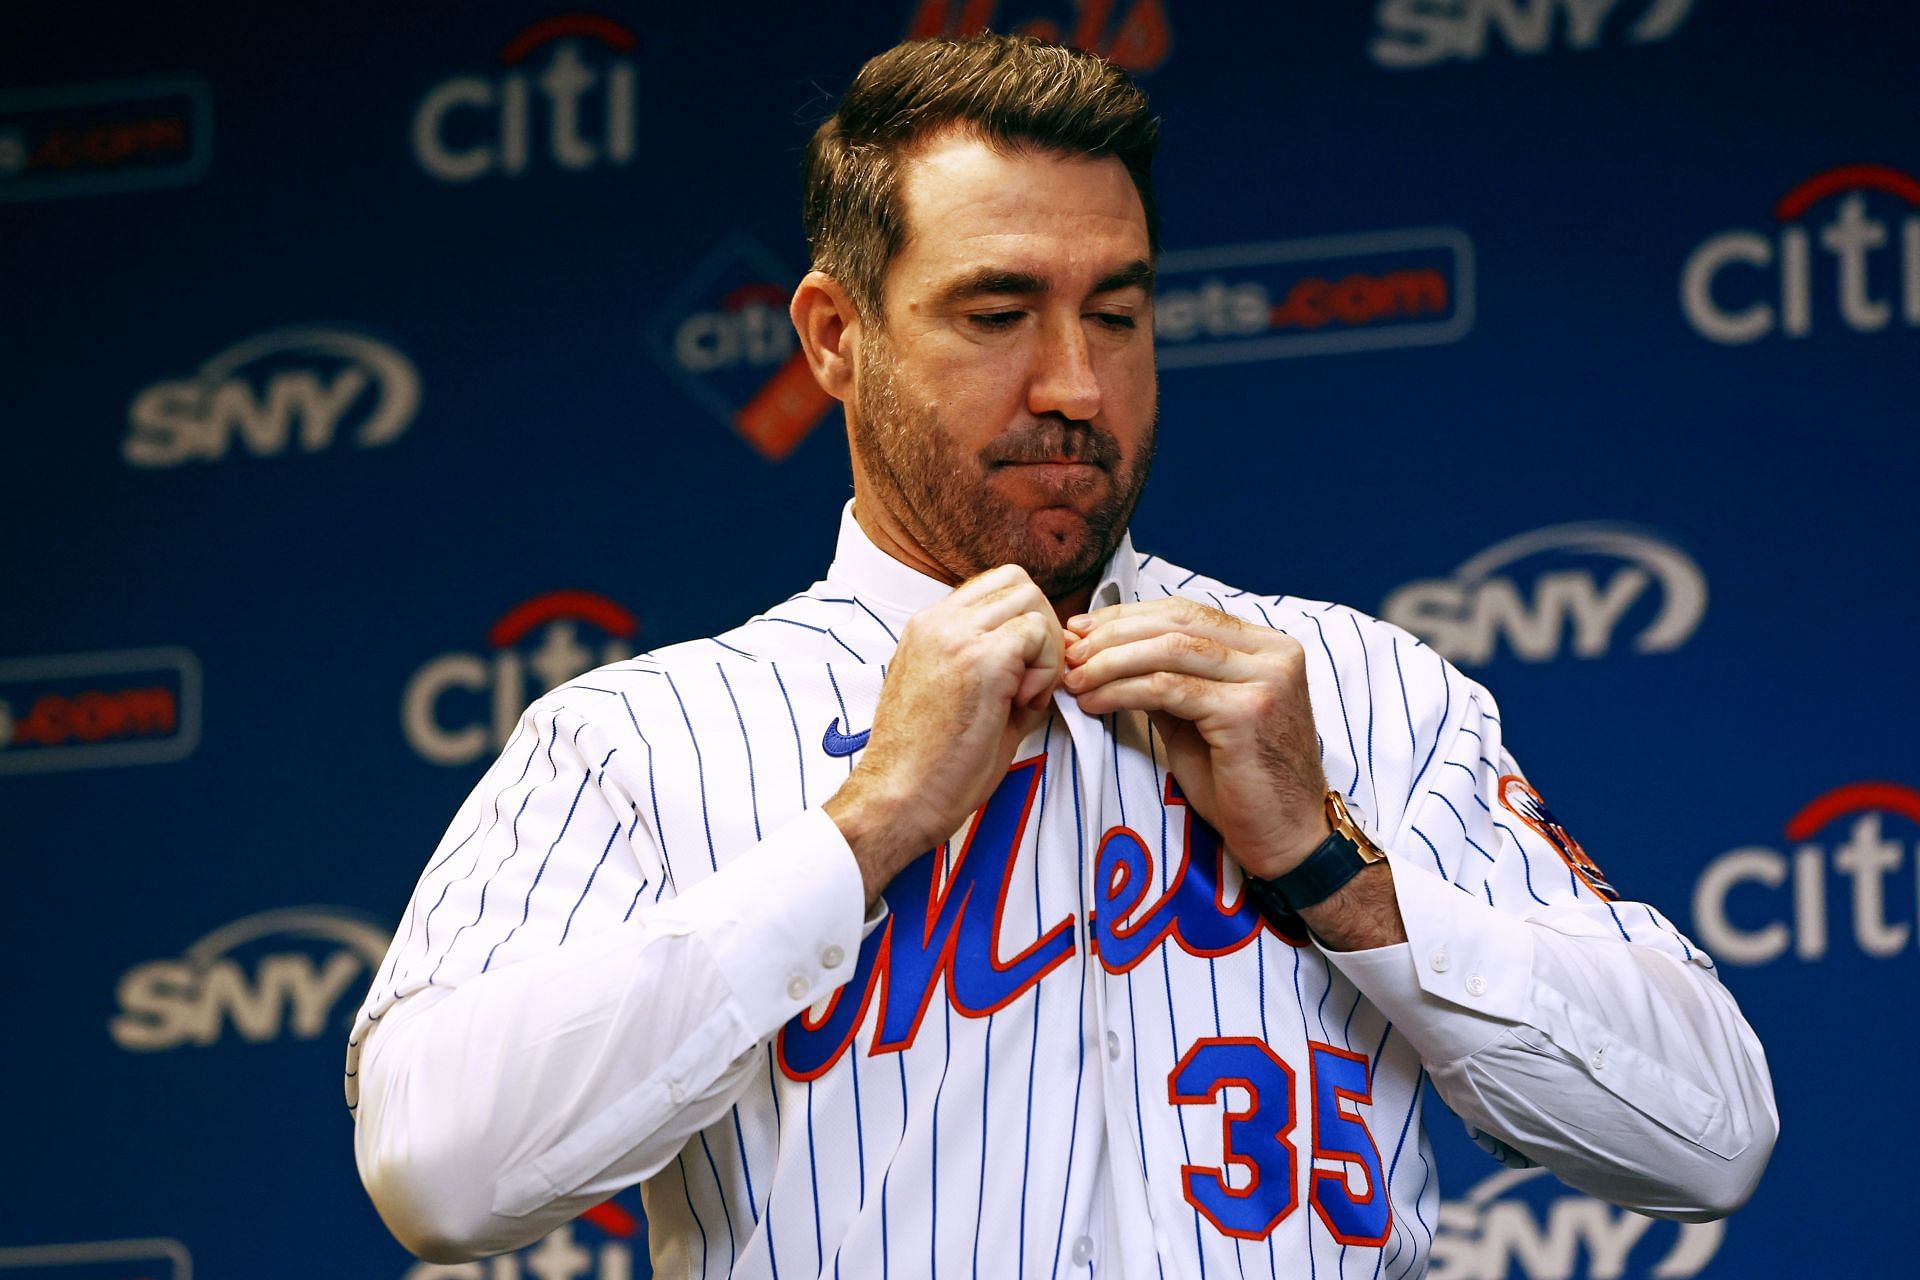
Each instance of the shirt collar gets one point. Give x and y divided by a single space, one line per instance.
899 591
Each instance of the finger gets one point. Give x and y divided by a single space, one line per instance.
1179 652
1024 643
1141 621
1009 599
986 585
1187 697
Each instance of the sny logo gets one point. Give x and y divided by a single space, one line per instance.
1421 33
88 710
1605 570
725 338
1741 286
1137 38
459 706
1738 911
1313 297
565 1253
1519 1222
470 126
276 972
281 391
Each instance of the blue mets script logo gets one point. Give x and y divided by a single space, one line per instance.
949 930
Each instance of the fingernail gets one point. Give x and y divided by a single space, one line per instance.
1078 622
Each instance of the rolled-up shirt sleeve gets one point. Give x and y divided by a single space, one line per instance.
504 1079
1562 1024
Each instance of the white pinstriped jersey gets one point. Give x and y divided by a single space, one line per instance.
1072 1047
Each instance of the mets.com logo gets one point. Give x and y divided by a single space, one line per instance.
73 140
1523 1223
1313 297
276 974
94 710
1855 853
461 706
1564 588
607 1242
154 1259
1742 285
293 390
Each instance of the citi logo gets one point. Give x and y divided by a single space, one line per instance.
1519 1222
470 127
1568 587
1743 285
1422 33
725 338
267 976
1313 297
600 1244
1754 904
460 707
287 391
1137 37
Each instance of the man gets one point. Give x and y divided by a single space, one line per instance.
1008 902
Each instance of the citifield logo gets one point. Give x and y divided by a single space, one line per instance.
298 390
1422 33
1565 588
724 337
460 707
473 126
1313 297
1133 33
278 973
91 710
1754 904
1743 285
601 1244
1519 1222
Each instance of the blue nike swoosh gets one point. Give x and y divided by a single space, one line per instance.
837 743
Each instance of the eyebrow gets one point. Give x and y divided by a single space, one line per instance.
985 281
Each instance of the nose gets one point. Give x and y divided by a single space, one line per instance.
1063 381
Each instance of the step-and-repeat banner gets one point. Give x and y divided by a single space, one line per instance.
369 369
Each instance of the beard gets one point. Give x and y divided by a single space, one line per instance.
949 502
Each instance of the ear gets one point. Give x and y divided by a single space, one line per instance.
829 328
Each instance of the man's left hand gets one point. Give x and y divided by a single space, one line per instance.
1229 699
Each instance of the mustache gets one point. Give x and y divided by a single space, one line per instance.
1053 440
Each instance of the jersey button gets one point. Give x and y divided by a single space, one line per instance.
797 988
1439 960
832 956
1113 1045
1082 1251
1476 985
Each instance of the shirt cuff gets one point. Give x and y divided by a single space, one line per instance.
782 922
1463 976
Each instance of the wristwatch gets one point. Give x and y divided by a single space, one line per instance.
1344 854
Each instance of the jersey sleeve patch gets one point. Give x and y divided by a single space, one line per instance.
1519 798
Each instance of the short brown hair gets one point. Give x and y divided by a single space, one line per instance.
1009 91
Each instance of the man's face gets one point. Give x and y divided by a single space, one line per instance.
1004 411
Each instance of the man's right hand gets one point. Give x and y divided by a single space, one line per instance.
973 675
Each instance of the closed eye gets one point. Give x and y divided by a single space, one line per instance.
996 319
1114 320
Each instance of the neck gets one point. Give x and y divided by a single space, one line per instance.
885 533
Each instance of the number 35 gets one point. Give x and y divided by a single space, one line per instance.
1256 1140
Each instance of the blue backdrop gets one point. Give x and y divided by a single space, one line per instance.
369 369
